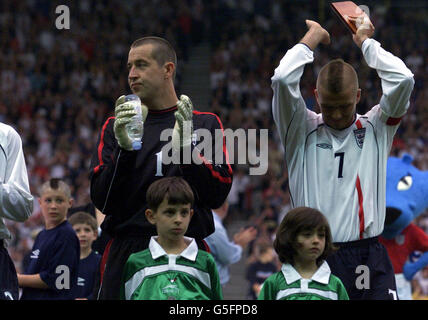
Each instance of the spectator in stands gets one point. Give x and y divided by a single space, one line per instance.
420 285
227 252
258 271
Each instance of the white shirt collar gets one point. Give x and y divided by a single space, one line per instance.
322 275
343 132
189 253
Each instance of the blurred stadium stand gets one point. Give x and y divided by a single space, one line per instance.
58 86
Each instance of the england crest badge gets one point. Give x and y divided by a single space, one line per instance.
359 135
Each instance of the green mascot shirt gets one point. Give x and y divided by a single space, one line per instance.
152 274
287 284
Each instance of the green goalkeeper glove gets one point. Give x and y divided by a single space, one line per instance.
124 111
183 128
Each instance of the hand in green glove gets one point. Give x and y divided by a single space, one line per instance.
124 111
183 128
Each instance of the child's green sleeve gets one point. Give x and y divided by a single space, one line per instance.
267 292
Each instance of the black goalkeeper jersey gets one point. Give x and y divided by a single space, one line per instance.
120 178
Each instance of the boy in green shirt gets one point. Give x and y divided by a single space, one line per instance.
172 268
303 241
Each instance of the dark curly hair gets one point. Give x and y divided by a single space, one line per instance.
295 221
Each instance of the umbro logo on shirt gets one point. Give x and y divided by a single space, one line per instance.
35 254
80 281
324 145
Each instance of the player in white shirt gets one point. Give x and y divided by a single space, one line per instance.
337 159
16 203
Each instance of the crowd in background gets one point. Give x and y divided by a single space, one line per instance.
249 40
57 87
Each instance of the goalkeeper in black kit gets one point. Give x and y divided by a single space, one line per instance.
121 176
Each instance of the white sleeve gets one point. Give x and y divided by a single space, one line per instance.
16 201
397 80
287 103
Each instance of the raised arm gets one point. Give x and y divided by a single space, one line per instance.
315 35
287 98
397 80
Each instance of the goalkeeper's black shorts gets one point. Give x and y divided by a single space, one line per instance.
365 269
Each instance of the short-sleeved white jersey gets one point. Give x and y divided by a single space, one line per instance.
342 173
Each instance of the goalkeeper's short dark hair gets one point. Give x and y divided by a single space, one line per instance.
163 51
175 189
295 221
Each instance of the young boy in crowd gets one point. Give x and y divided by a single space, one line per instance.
54 261
303 242
172 268
259 270
86 229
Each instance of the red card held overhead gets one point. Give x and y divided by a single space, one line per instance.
345 9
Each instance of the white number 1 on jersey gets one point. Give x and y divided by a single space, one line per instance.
159 164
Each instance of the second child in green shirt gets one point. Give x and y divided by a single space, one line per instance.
172 268
303 241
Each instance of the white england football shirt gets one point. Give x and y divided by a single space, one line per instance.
15 196
342 173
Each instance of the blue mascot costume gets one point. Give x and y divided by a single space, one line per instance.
406 199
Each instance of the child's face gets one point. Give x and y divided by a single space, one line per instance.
267 256
171 220
85 234
54 205
310 244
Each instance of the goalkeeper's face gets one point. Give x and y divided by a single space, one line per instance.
146 76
